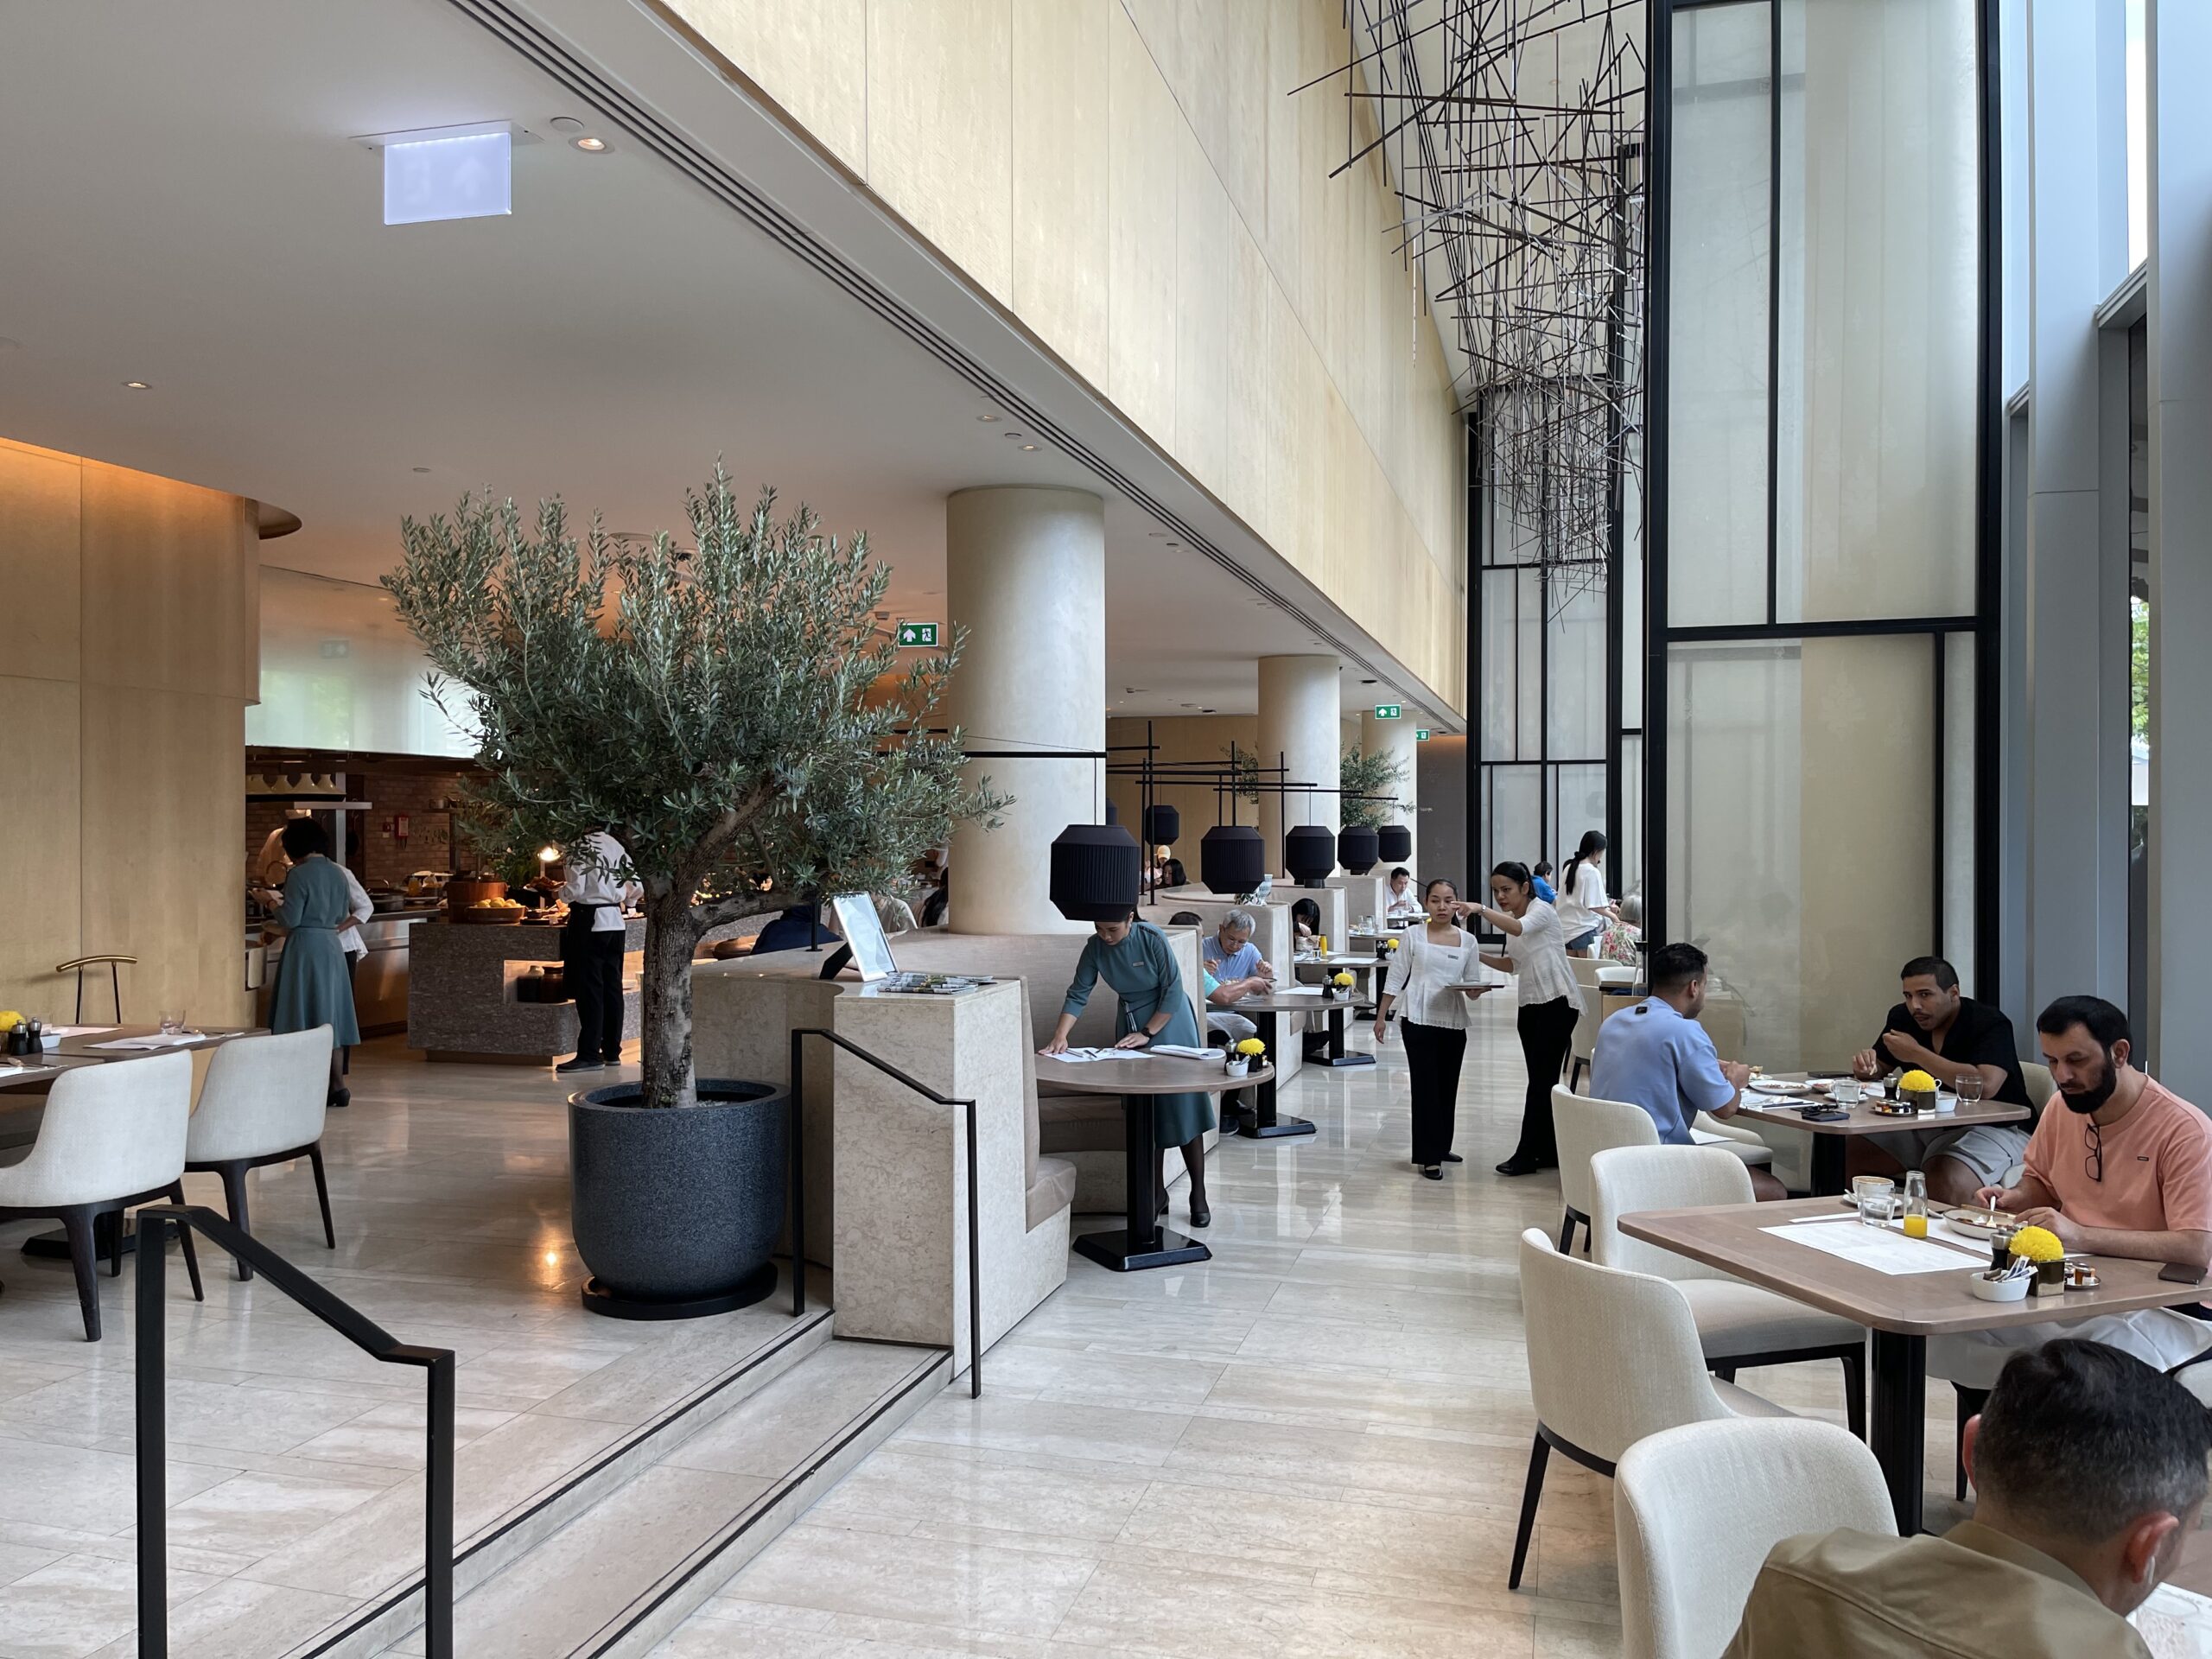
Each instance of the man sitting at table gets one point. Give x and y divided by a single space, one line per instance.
1227 953
1949 1036
1657 1056
2089 1468
2124 1170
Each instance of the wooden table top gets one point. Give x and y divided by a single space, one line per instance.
1916 1304
1866 1121
87 1047
1158 1074
1287 1002
1341 959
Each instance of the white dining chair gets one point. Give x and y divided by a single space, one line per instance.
113 1135
1696 1510
2041 1086
1738 1325
264 1101
1613 1357
1584 1126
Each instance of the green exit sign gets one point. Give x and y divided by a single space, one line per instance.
918 633
1389 711
1421 734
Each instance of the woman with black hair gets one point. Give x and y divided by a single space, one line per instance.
1584 909
313 985
1306 919
1429 963
1537 957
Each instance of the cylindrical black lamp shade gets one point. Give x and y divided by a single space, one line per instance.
1232 859
1113 813
1309 852
1094 873
1163 824
1358 846
1394 843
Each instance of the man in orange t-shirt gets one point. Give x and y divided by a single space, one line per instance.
2124 1170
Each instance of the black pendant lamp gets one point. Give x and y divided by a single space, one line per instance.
1232 859
1309 852
1358 848
1113 813
1094 875
1394 843
1163 824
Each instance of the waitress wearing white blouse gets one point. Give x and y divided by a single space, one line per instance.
1536 955
1429 962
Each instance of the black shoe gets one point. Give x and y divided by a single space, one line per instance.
580 1063
1521 1163
1201 1218
1453 1158
1432 1172
340 1097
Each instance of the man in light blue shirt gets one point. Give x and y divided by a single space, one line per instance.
1657 1056
1229 953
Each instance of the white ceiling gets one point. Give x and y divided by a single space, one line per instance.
195 212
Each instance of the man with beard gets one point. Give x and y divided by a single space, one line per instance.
2124 1170
1947 1035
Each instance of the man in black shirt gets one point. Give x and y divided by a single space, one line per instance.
1937 1031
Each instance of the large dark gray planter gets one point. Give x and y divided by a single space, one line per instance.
675 1210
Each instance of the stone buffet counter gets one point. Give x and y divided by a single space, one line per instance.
462 1000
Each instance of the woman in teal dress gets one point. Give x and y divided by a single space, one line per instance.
1135 958
313 986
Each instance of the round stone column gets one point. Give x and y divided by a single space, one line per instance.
1395 739
1300 727
1025 577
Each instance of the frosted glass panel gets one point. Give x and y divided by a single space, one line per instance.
1800 831
1578 803
1577 667
1717 338
338 670
1512 665
1626 859
1875 369
1958 837
1514 830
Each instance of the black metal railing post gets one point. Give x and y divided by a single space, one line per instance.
975 1205
150 1368
152 1401
795 1120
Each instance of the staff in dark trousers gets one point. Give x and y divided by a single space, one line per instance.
591 948
1430 963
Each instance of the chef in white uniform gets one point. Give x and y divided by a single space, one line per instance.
591 948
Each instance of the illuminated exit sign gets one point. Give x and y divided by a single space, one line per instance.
918 633
1389 711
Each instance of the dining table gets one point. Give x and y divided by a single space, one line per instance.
1138 1078
1902 1290
1266 1012
1332 1053
1831 1139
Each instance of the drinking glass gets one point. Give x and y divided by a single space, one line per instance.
1848 1091
1877 1197
173 1024
1968 1087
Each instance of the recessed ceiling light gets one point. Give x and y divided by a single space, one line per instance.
987 419
1157 535
565 124
1010 435
138 386
590 145
1367 681
1174 544
1029 446
421 469
1205 711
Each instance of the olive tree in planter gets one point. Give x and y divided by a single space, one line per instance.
1366 776
727 712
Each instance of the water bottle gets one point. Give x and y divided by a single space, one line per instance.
1916 1205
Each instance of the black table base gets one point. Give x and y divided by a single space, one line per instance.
1266 1123
1334 1053
1826 1159
1896 1418
1144 1242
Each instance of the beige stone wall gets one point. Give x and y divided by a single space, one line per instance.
1132 181
132 650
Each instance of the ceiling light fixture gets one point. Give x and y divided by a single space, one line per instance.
421 469
138 386
987 419
590 145
440 173
1029 446
1010 435
1174 544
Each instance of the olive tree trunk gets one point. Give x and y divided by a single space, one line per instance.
672 934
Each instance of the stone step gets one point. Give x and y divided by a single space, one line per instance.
619 1576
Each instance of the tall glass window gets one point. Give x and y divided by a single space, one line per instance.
1815 747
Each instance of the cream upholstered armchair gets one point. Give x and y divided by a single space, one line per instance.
113 1135
1613 1357
1587 1126
1738 1324
264 1101
1697 1508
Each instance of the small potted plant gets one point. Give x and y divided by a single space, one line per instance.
2040 1246
1242 1055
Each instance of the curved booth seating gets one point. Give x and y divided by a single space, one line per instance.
113 1135
262 1102
1696 1509
1613 1357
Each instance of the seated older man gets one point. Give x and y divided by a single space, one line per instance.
1657 1056
2089 1467
2124 1169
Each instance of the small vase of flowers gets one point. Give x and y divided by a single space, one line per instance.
2040 1246
1243 1054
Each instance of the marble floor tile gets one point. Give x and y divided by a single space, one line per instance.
1083 1433
921 1581
76 1606
255 1514
895 1489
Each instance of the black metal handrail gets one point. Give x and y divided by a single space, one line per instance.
798 1173
154 1223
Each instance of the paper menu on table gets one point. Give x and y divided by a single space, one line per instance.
2174 1624
179 1039
1876 1246
1084 1056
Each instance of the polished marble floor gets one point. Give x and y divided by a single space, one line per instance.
1311 1446
1313 1443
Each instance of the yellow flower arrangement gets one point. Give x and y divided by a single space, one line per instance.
2038 1245
1252 1047
1342 981
1390 945
1917 1082
9 1018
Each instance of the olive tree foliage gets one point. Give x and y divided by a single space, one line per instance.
1367 778
720 711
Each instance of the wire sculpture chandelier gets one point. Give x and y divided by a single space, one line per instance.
1514 135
